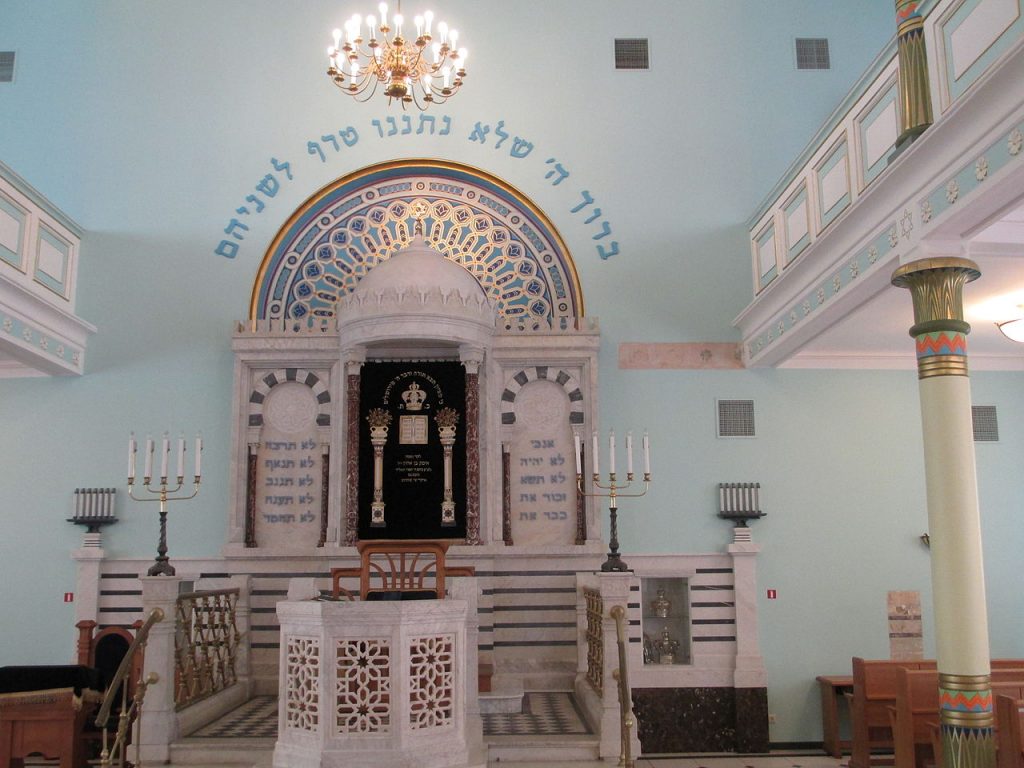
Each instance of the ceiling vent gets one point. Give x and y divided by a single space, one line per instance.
6 66
986 426
735 418
632 53
812 53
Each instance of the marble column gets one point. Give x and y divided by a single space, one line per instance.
354 359
472 359
958 584
158 723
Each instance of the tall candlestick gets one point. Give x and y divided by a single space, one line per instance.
629 453
647 454
165 453
597 456
611 452
131 457
199 453
181 456
579 456
149 458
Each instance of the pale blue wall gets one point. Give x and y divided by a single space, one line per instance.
149 123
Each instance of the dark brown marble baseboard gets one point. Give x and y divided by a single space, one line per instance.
701 719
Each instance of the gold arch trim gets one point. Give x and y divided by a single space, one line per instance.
315 199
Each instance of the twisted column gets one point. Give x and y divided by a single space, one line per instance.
958 584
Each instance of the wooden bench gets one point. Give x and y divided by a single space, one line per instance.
1009 730
874 692
915 714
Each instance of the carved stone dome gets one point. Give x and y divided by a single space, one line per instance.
417 294
416 268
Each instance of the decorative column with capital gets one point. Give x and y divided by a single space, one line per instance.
915 93
958 584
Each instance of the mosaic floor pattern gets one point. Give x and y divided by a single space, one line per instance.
257 718
544 714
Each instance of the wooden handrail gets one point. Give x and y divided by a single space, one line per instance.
625 696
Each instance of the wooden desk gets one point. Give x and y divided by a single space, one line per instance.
49 723
833 690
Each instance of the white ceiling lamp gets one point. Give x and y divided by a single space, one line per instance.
1013 329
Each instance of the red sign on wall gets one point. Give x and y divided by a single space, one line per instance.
69 597
773 594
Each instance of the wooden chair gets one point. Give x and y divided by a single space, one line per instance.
398 570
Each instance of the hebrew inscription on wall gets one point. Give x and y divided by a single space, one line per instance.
543 479
288 477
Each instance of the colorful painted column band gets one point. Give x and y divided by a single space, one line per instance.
915 96
967 723
939 330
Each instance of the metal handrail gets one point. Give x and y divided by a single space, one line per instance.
626 717
129 710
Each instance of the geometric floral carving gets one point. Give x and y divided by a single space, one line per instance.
364 686
303 678
432 681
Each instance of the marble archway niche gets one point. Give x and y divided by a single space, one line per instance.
406 262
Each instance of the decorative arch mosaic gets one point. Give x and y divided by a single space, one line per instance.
477 220
261 388
541 372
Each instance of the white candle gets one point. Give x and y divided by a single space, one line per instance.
579 457
165 453
611 451
149 458
597 455
131 457
647 455
181 456
199 453
629 453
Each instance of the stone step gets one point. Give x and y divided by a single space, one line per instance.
509 702
548 750
223 753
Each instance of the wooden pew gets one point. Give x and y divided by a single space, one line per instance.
915 714
874 691
1009 730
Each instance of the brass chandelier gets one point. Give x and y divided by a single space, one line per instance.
420 71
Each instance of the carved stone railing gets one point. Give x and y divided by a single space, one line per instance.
595 639
205 645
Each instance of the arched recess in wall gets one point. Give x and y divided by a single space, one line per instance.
475 219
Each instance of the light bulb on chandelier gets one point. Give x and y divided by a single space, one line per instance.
420 71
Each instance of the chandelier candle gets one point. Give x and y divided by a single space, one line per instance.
163 492
614 488
420 71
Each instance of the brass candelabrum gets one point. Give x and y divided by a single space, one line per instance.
613 490
164 491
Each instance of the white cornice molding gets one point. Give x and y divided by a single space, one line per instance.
969 127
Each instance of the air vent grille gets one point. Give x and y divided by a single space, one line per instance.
736 418
812 53
6 66
632 53
986 425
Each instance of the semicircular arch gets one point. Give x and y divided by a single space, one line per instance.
475 219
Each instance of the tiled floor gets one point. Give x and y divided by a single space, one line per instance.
544 715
